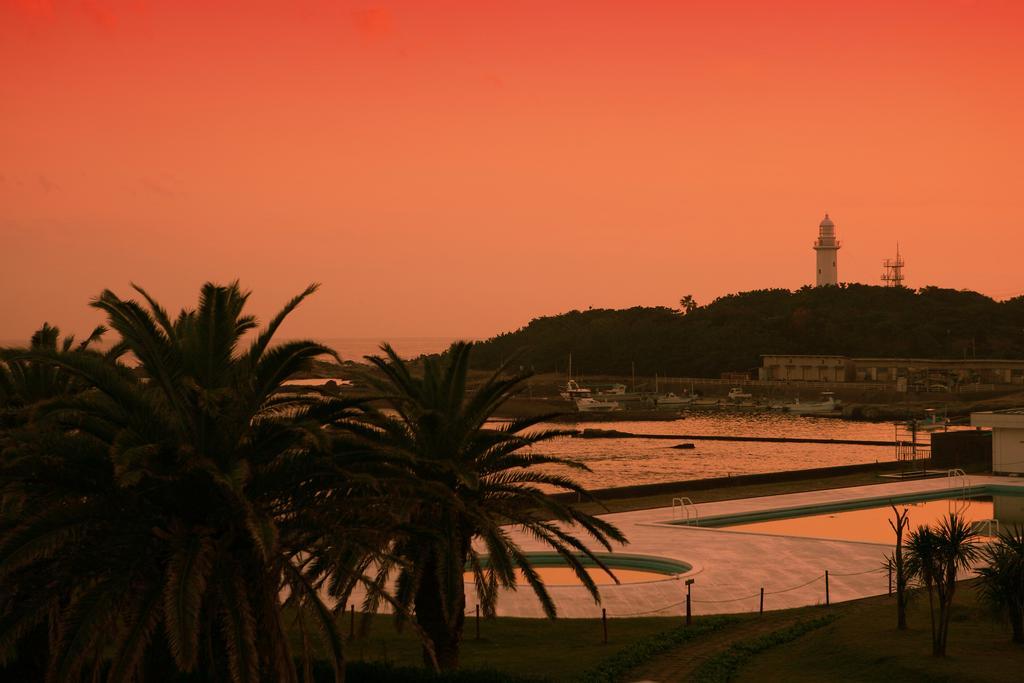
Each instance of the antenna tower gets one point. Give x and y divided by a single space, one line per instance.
893 274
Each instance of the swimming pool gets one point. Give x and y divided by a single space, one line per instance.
867 521
627 567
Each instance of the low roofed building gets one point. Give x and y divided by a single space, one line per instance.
1007 438
797 368
907 374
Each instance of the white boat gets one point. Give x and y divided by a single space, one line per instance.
931 423
612 390
737 394
593 405
572 391
670 399
827 404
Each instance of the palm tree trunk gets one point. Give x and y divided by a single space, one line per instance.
1017 622
901 607
274 637
901 595
442 624
939 646
945 615
901 580
935 630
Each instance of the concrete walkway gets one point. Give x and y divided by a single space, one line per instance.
730 567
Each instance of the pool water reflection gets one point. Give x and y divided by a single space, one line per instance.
869 525
563 576
627 567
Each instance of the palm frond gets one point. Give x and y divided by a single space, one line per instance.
239 627
140 622
262 341
184 589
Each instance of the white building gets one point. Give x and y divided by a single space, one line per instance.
1007 438
827 248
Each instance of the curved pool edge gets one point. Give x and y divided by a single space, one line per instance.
673 569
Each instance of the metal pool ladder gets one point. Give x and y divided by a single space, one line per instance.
687 511
963 503
964 482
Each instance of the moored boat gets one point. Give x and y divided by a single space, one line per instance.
827 405
611 390
931 423
670 400
573 391
593 405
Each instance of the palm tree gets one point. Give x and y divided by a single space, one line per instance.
478 479
921 557
1001 578
899 524
171 513
937 556
24 383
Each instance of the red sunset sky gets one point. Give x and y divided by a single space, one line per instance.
457 168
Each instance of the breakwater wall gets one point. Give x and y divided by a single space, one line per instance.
677 487
615 434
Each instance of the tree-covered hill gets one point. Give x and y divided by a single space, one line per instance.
733 331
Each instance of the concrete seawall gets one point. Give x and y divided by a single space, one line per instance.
675 487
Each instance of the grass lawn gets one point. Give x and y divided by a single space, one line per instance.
863 644
561 649
860 644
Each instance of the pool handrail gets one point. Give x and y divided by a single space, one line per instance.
685 506
964 481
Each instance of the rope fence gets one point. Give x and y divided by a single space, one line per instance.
476 611
715 602
866 571
793 588
653 611
760 594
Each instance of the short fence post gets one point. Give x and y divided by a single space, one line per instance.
826 588
352 622
761 608
689 582
604 624
478 621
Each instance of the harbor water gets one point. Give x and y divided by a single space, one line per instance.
628 462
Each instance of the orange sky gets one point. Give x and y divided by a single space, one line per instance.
457 168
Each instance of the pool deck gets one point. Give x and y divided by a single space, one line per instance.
731 567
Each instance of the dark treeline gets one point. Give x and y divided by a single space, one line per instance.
731 333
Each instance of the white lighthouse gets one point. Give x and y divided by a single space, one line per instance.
827 248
